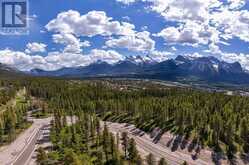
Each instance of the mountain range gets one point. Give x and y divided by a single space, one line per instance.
185 68
6 71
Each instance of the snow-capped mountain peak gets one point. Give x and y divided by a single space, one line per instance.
139 59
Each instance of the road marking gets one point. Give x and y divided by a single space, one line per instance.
30 156
26 146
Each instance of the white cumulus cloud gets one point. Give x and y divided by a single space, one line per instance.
236 4
91 24
160 56
242 58
139 42
190 33
197 20
72 44
127 2
56 60
35 47
232 24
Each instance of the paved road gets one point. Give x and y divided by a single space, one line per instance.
145 146
22 150
19 151
43 140
25 155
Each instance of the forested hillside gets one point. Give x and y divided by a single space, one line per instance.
213 120
13 108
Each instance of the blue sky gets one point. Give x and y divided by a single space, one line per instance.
76 33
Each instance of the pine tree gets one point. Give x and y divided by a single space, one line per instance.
150 159
125 143
98 130
162 162
10 125
213 118
41 156
132 150
117 140
106 141
1 131
244 134
139 160
185 163
113 147
99 160
71 158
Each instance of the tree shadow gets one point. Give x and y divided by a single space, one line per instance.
137 132
192 145
169 142
177 141
245 158
197 152
233 161
158 136
184 144
194 156
217 157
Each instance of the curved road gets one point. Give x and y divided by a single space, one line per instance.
146 146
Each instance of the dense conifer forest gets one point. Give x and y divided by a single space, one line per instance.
209 119
212 120
13 107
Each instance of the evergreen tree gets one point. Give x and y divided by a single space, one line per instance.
1 131
71 158
139 160
117 139
244 134
106 142
162 161
212 118
150 159
132 150
125 143
42 157
184 163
